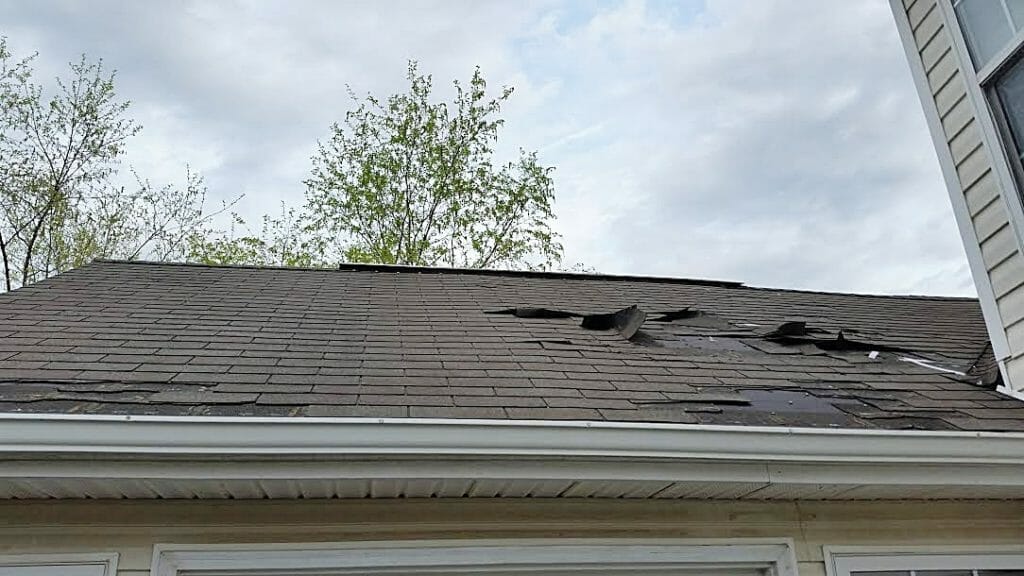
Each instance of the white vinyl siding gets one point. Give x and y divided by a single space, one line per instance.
1008 275
989 220
982 193
1015 368
918 12
1011 307
957 118
966 142
999 247
133 528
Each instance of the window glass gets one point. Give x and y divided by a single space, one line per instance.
986 27
1016 8
1010 92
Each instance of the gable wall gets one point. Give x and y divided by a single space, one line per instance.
992 244
132 528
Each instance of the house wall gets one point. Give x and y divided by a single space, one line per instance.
979 188
131 528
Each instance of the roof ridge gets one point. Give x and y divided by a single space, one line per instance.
397 268
866 294
352 266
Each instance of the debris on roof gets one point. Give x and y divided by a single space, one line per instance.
140 338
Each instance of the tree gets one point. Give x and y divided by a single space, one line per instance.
59 154
409 181
281 241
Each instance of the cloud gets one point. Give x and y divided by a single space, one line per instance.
775 142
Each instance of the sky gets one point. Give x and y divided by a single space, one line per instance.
775 142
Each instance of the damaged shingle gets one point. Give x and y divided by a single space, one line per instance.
673 315
698 319
723 397
534 313
984 371
127 338
799 333
793 329
627 321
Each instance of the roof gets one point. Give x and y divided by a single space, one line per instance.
378 341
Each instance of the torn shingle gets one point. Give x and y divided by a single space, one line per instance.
627 321
674 315
535 313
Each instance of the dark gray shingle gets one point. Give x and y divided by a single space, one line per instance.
140 338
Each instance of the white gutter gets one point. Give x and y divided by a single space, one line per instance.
243 436
62 448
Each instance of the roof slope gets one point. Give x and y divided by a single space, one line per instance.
141 338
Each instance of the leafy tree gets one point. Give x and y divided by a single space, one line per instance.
410 181
59 154
280 241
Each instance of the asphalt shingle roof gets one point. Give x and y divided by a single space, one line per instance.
142 338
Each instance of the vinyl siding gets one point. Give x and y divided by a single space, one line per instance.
1011 308
132 528
1008 275
1015 367
966 142
999 247
983 192
998 242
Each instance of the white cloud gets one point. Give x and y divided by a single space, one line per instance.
774 142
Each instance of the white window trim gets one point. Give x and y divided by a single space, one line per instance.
566 556
107 560
845 560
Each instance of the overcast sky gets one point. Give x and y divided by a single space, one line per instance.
779 143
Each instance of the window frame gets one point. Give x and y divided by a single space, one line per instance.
591 557
107 560
847 560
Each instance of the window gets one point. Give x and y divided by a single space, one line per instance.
59 565
988 26
967 562
526 557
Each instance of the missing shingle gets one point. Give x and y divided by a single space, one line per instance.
705 343
535 313
627 321
673 315
798 333
694 318
793 329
